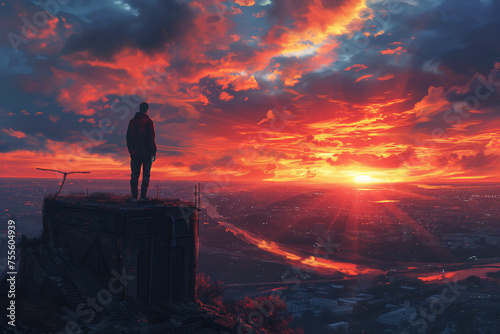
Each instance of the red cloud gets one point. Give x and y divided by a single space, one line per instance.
364 77
356 67
386 77
238 82
399 50
225 96
14 133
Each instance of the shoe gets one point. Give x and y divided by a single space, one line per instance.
133 200
144 199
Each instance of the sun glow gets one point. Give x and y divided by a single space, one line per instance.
363 179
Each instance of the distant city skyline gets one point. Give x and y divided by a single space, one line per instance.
358 256
282 222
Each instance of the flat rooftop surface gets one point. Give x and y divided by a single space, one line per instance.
117 201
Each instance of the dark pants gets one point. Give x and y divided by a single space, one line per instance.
135 164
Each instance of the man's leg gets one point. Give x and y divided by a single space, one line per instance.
135 166
146 174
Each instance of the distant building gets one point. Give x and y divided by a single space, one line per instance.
398 317
323 303
342 310
338 327
491 240
297 308
406 232
454 240
364 283
355 300
301 294
320 304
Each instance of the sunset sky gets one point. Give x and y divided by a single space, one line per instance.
276 90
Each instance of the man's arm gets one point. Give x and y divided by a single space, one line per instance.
152 137
129 137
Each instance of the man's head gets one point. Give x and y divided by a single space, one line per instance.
144 107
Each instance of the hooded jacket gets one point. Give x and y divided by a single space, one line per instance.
141 136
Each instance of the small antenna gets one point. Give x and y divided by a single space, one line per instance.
197 196
64 178
157 192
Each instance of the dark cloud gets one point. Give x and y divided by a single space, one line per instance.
157 24
199 167
8 143
481 160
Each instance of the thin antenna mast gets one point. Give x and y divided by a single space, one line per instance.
197 196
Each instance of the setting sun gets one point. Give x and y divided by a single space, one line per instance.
363 179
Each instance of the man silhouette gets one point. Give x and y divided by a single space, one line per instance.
142 148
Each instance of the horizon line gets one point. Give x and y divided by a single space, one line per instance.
477 181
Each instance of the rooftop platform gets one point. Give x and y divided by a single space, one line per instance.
107 200
155 241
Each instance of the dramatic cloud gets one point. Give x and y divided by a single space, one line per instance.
278 90
150 26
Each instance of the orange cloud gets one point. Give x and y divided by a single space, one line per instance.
13 133
364 77
356 67
224 96
245 2
399 50
238 82
386 77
